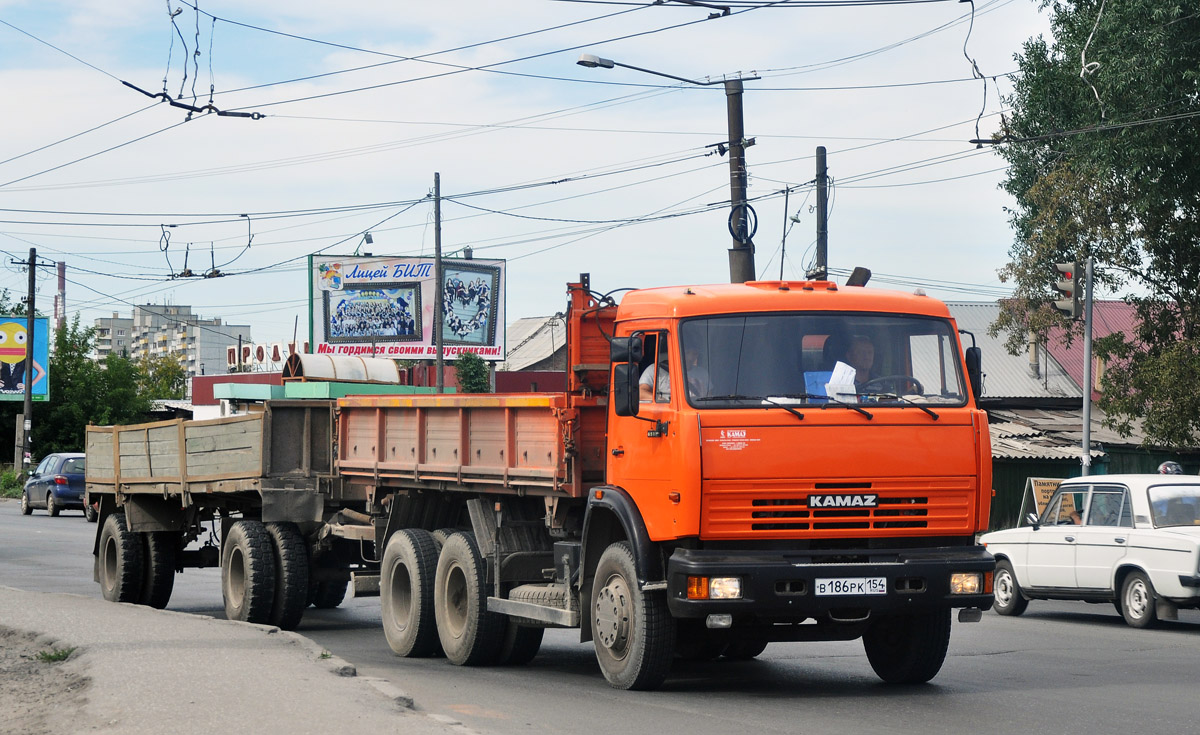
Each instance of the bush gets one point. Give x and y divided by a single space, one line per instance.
10 484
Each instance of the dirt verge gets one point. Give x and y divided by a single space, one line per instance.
34 692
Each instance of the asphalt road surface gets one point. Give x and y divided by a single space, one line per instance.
1060 668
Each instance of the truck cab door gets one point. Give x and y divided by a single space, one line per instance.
644 453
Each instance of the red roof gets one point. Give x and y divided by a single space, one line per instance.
1108 317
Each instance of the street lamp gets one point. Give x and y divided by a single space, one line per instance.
741 216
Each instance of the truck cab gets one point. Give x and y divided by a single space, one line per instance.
804 452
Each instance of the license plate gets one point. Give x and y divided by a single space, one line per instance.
852 586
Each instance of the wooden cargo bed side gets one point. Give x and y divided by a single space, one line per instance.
515 443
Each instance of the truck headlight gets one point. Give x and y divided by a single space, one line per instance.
714 588
966 583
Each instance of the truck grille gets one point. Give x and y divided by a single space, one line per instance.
731 510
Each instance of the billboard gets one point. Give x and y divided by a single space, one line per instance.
14 347
363 305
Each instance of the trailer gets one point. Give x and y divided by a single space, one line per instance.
705 486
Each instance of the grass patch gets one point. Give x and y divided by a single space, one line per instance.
54 655
325 655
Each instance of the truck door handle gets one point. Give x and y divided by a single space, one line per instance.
618 452
1070 539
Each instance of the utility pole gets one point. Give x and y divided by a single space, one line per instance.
741 226
438 278
27 427
1086 456
821 271
742 220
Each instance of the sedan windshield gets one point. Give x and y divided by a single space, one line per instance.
1175 505
831 359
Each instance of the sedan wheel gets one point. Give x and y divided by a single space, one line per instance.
1008 593
51 507
1137 601
26 509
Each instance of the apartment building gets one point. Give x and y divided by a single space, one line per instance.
170 329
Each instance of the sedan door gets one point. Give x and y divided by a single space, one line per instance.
1051 561
1103 540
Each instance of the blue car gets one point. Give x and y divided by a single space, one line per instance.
57 484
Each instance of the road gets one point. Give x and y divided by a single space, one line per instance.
1061 667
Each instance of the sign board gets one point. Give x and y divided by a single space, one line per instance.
386 307
1038 491
14 347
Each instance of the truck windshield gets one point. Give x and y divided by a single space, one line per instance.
821 358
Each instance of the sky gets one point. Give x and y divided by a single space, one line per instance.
556 168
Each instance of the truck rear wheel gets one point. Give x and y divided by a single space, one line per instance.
410 561
634 633
158 567
291 575
120 561
521 643
248 573
329 594
470 635
908 649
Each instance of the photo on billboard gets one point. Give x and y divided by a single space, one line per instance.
14 348
375 312
469 304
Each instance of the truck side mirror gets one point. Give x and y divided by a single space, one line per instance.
626 349
975 370
624 394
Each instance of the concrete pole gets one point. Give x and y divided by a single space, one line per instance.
821 272
741 255
439 278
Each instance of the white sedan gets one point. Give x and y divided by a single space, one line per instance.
1133 540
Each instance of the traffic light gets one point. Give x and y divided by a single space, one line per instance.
1069 285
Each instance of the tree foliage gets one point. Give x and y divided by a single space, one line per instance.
1107 164
162 376
472 373
84 391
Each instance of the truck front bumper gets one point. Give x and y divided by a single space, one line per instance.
782 586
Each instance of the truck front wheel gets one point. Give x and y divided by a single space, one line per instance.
470 635
248 573
908 649
634 633
410 560
120 561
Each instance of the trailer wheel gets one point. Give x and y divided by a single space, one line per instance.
330 593
470 635
908 649
634 633
290 555
410 561
120 561
248 573
158 567
521 643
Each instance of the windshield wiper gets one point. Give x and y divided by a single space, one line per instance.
826 400
764 399
898 397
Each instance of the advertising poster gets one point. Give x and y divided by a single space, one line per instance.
386 307
14 347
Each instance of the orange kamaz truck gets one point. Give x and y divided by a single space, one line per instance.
730 466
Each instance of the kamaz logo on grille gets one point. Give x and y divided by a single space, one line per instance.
843 501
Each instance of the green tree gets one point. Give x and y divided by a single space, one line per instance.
472 373
1107 164
162 376
83 391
